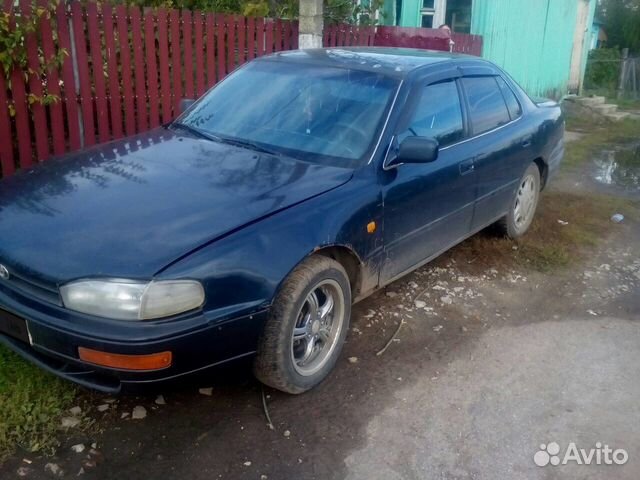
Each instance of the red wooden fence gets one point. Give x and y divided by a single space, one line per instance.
127 69
348 36
469 44
125 72
428 38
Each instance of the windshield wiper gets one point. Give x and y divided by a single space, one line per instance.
250 145
231 141
196 131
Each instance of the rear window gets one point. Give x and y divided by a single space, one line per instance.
487 107
510 99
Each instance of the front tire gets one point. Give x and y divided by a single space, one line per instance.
306 328
523 206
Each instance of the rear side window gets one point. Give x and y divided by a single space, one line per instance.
510 99
487 108
438 114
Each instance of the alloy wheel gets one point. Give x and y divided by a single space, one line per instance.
318 327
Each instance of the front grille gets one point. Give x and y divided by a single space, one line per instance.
32 288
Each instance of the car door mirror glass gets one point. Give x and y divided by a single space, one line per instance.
415 150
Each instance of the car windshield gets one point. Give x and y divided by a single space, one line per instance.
314 113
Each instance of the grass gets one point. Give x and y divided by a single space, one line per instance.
31 404
597 136
550 245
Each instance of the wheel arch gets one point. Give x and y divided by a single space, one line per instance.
350 261
543 167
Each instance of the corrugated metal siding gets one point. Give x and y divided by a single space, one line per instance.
532 40
588 40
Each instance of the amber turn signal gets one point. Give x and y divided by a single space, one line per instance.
371 227
154 361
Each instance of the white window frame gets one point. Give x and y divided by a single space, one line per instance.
438 12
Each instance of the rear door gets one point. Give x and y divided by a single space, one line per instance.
428 207
498 142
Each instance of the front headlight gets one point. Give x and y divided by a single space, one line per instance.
131 300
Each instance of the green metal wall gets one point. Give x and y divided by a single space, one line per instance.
409 15
530 39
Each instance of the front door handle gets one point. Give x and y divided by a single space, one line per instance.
468 166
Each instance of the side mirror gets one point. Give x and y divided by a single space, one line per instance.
418 150
185 103
415 150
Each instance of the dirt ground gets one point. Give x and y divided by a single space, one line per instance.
490 363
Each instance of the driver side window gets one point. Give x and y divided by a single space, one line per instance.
438 114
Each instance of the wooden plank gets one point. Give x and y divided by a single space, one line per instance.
221 46
97 66
6 146
23 130
176 60
125 65
342 36
294 38
333 35
278 35
199 52
242 38
210 48
70 96
357 34
163 53
231 42
152 68
260 37
287 35
38 113
268 36
86 98
115 95
187 43
53 87
138 60
251 38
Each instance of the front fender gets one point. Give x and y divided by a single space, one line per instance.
242 272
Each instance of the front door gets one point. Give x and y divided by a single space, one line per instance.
428 207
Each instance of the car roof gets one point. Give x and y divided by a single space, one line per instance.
397 62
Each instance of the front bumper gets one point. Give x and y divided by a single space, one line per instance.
197 342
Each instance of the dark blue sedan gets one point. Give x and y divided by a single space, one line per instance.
299 185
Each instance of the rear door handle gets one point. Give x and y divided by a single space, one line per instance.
527 141
468 166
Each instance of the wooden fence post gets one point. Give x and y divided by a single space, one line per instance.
73 57
623 71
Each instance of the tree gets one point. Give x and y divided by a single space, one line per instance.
621 20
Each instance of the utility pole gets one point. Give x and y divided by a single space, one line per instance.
311 24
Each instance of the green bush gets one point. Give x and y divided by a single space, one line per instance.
603 69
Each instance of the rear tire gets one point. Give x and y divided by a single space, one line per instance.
523 206
306 328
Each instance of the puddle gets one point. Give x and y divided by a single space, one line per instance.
619 167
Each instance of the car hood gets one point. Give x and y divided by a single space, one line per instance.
131 207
